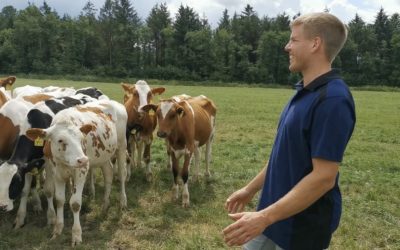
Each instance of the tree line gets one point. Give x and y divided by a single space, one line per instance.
242 48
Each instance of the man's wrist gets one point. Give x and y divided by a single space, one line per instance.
251 190
269 215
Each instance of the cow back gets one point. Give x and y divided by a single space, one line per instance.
201 111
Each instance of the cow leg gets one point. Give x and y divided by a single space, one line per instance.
146 156
75 204
185 179
37 203
208 154
131 149
196 163
140 146
92 181
175 172
49 192
169 164
21 214
129 166
108 177
59 185
121 154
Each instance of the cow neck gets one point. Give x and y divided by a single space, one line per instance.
25 151
149 123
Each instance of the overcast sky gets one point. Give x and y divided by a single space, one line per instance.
212 9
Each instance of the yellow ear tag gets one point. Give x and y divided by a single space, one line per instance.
8 87
39 142
151 112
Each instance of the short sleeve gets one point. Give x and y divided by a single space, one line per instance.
331 128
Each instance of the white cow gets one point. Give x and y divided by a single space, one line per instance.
80 138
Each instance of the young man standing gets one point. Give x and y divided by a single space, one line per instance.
300 202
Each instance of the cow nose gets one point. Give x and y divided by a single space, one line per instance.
82 161
161 134
3 208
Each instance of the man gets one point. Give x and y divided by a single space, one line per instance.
300 202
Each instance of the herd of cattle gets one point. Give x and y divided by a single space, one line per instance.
58 135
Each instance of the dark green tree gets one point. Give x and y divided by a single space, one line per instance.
224 49
127 40
199 52
157 21
107 25
224 21
7 17
91 41
186 20
273 63
281 22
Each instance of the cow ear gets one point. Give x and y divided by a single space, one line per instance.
11 80
86 128
35 133
148 107
157 91
180 111
127 87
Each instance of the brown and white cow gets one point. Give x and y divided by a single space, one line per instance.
84 137
187 125
141 125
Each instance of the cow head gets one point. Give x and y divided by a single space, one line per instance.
13 179
135 98
168 114
67 142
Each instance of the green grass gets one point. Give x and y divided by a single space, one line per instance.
246 126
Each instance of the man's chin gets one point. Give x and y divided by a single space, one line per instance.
293 69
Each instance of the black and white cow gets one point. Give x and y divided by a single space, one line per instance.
14 171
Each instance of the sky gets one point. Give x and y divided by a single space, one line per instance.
212 9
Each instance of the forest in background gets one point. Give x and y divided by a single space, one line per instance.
115 42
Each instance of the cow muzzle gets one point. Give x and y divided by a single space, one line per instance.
82 162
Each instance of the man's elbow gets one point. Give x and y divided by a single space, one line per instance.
326 173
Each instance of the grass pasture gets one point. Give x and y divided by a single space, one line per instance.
246 125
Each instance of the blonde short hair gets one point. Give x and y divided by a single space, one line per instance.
328 27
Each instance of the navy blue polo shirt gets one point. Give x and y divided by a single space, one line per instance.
316 123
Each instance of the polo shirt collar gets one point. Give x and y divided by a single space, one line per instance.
319 81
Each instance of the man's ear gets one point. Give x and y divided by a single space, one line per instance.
86 128
317 42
